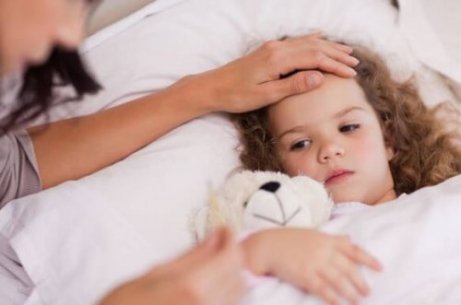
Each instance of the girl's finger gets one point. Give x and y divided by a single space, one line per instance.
324 291
356 254
350 271
341 285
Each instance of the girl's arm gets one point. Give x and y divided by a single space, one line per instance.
322 264
73 148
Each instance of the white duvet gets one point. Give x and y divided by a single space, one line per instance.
418 240
76 248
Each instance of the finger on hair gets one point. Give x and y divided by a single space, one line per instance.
341 47
299 59
341 56
328 64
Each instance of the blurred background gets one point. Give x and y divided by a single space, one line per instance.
110 11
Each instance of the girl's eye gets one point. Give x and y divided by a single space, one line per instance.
349 127
300 145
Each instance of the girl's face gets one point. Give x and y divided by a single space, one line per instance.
30 28
333 135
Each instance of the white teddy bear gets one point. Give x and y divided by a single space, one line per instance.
253 200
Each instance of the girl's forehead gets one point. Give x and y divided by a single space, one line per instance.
332 101
332 95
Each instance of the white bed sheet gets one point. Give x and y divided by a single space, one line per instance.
138 56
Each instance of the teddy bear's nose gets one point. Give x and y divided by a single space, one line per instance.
271 186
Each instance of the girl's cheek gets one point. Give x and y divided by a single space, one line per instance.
366 147
289 164
300 166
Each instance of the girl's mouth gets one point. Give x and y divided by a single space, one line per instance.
338 176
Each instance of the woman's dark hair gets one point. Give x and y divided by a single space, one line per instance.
37 94
395 3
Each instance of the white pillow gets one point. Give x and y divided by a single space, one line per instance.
108 12
154 192
421 32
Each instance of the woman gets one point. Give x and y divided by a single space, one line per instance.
41 36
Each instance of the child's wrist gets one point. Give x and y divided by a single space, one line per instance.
257 254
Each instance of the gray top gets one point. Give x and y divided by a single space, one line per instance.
18 167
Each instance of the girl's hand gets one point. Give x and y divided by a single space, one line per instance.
207 275
254 80
322 264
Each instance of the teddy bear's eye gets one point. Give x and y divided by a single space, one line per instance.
271 186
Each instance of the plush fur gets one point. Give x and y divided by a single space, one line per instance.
256 200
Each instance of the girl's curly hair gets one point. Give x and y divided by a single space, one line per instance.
426 153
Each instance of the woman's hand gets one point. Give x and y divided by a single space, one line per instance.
254 80
322 264
208 275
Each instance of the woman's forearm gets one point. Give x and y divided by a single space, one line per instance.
73 148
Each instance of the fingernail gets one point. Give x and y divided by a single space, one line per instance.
377 265
364 289
351 71
354 61
347 49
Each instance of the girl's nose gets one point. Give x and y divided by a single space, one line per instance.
330 151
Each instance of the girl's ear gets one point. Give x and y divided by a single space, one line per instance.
390 153
390 150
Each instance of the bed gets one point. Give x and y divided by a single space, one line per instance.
73 243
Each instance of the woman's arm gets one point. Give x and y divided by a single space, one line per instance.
322 264
73 148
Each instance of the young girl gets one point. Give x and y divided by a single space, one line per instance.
370 133
369 140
